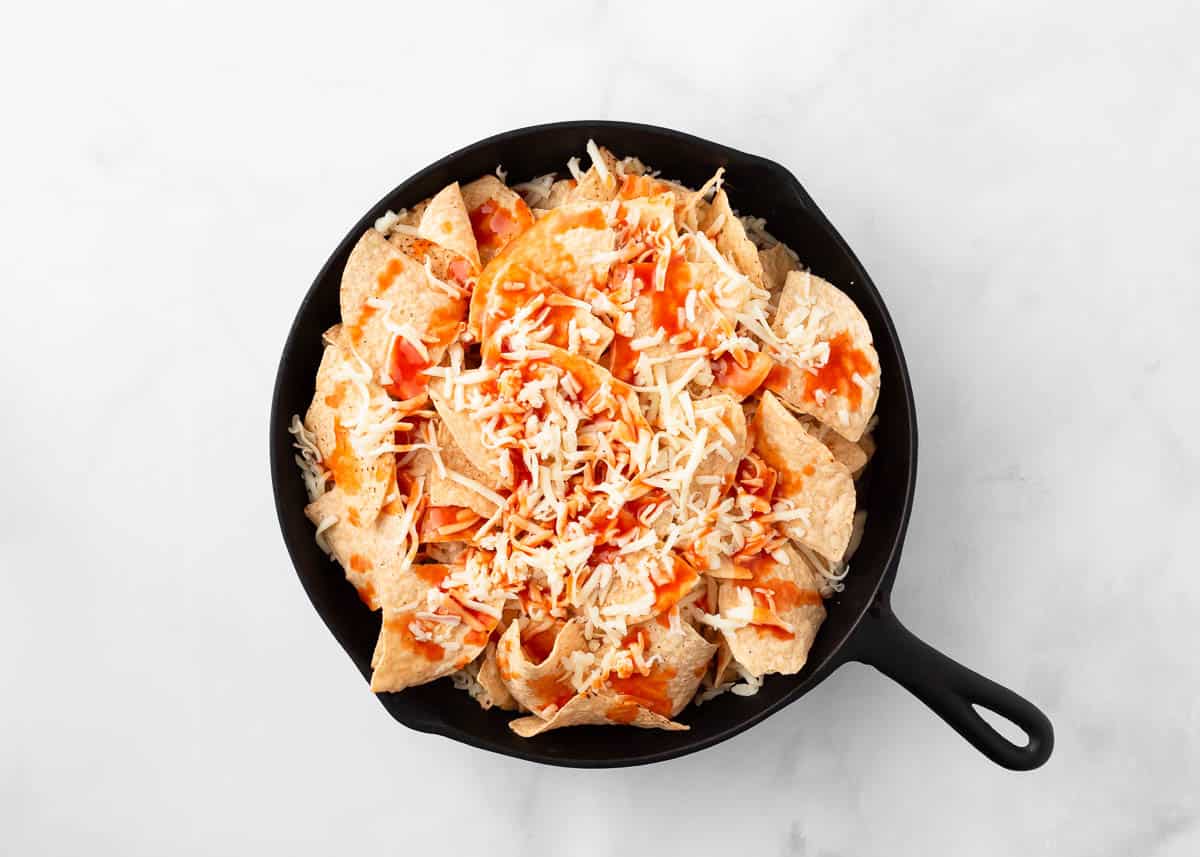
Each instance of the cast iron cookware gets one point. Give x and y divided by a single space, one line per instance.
861 625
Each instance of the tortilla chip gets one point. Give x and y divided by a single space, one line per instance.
852 455
543 687
600 392
445 263
776 262
723 416
495 694
723 670
646 584
336 404
595 186
447 222
731 238
809 476
655 309
442 490
368 551
595 709
593 335
468 436
738 380
649 216
560 194
498 215
813 316
795 592
568 251
377 269
682 660
404 658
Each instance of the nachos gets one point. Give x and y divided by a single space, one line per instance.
588 444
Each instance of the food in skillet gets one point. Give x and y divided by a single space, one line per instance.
588 444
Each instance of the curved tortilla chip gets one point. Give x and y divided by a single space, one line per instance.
600 392
809 476
595 709
367 551
731 238
817 320
543 687
726 422
559 194
495 692
777 261
646 584
447 222
788 592
854 456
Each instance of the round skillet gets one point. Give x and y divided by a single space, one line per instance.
861 625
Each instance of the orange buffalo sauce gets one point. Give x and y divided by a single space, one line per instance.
398 624
553 689
783 592
448 524
635 186
343 463
405 368
836 377
669 593
622 358
494 225
625 710
366 593
538 646
649 691
431 573
741 380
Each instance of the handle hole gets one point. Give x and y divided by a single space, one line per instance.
1012 733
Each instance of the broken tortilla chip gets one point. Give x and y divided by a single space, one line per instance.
447 222
814 482
731 238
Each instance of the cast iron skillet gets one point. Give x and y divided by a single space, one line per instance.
861 625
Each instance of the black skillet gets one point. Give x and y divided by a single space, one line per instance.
861 625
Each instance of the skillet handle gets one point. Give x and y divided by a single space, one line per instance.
950 690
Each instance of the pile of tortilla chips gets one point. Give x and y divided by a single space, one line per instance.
589 444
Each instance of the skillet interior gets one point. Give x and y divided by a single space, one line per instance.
756 186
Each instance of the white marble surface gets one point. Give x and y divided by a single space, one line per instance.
1022 184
